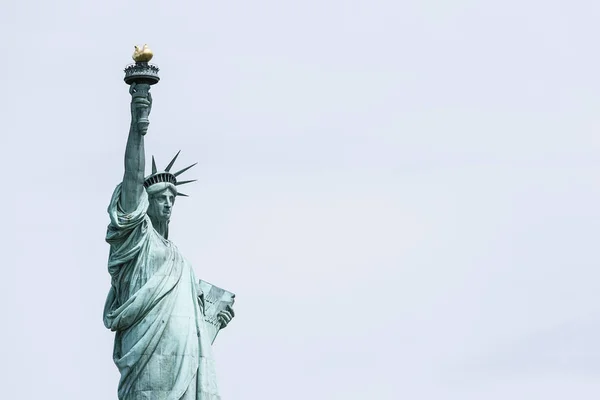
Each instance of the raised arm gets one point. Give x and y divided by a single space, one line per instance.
135 160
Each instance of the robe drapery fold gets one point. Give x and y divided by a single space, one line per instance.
152 306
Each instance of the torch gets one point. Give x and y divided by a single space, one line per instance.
143 75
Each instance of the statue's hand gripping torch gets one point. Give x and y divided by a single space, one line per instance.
141 106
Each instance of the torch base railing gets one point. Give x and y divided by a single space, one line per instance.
141 72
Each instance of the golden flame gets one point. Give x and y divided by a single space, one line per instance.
143 54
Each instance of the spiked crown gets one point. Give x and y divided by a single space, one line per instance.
166 176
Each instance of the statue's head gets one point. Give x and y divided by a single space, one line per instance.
162 190
161 197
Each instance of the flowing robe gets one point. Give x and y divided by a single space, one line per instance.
161 346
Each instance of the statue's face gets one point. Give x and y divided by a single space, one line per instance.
161 205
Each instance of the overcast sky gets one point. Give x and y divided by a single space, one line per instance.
404 195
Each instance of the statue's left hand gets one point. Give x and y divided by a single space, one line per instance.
226 316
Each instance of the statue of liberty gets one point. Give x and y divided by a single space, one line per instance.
156 306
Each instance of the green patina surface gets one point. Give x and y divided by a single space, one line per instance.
165 319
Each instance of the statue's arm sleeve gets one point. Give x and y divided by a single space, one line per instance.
127 227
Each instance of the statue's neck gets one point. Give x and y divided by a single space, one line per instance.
162 227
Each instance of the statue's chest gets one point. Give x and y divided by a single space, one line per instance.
157 258
160 252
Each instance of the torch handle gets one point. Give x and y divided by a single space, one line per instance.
141 102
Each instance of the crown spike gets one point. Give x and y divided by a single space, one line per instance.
182 194
168 168
183 170
184 182
153 165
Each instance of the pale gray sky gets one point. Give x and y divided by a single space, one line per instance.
403 195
